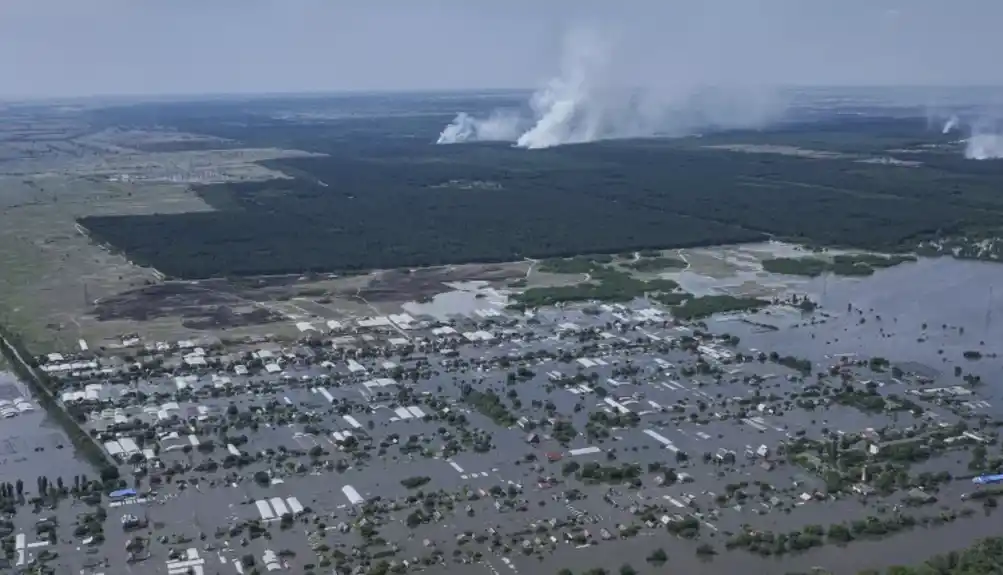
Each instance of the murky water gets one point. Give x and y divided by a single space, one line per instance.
31 444
466 298
908 548
737 269
928 312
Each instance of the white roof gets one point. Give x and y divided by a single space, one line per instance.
479 335
294 505
353 496
402 320
379 321
71 396
264 509
279 506
128 445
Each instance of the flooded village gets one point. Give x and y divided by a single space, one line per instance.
838 426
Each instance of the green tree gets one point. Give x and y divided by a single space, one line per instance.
705 549
658 556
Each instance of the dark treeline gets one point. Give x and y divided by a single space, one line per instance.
381 200
379 217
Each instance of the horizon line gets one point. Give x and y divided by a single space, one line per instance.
15 99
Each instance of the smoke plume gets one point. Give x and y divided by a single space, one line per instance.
985 139
589 101
983 124
951 124
984 146
501 126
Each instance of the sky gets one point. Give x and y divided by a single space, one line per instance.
68 48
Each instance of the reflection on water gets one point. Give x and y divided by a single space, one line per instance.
738 269
466 298
928 312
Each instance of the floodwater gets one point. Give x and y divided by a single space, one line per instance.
737 269
31 444
908 548
928 313
465 298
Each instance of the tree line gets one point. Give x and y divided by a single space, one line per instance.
381 202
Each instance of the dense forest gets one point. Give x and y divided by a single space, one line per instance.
385 197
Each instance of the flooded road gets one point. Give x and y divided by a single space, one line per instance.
31 443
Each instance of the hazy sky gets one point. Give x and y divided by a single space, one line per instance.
56 48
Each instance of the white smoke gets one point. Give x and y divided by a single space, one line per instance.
570 109
985 139
585 103
984 126
499 127
951 124
984 146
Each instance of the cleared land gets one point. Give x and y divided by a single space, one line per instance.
51 175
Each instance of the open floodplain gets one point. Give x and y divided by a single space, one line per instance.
461 433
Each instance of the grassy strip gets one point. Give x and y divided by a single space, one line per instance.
700 307
841 265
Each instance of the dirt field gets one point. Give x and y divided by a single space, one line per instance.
51 275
